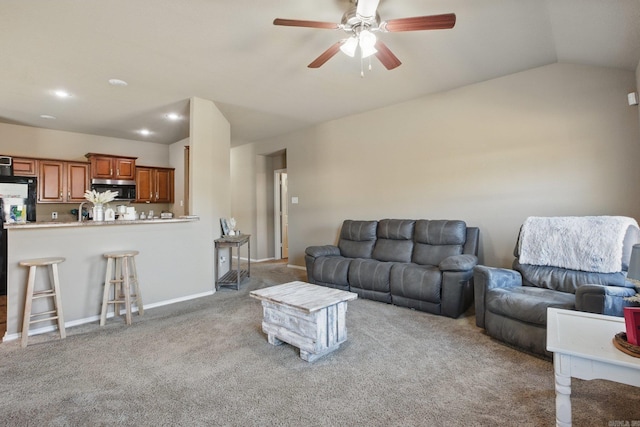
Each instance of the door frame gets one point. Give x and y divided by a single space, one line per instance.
277 231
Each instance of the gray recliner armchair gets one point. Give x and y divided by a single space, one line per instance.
511 305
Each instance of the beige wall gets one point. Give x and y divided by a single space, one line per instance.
556 140
176 157
36 142
209 139
637 88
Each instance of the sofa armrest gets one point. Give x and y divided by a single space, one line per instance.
458 263
600 299
485 278
326 250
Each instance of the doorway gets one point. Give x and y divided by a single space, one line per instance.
281 214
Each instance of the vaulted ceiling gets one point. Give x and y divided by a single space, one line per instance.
231 53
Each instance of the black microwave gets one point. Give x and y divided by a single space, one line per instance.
125 189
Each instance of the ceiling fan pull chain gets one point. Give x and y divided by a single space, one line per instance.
369 63
361 67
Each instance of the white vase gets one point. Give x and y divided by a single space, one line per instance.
98 212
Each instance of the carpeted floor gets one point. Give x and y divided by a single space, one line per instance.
207 362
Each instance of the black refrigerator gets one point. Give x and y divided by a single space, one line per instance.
17 204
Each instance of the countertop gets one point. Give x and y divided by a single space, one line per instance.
89 223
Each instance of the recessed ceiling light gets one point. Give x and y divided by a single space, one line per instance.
47 116
144 132
117 82
62 93
173 116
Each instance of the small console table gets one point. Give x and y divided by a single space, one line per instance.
233 277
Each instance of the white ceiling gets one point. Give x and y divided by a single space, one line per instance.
228 51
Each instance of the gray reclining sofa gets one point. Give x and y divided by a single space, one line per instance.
422 264
511 305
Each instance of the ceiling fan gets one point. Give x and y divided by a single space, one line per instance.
360 22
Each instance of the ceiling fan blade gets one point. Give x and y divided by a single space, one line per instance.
367 8
326 55
308 24
384 54
432 22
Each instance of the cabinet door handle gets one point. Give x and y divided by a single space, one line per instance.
118 172
110 171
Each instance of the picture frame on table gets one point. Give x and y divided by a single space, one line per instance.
224 225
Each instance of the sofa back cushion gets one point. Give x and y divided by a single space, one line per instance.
395 240
357 238
568 280
437 239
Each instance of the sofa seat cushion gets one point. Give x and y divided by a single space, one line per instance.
332 269
527 303
370 279
417 282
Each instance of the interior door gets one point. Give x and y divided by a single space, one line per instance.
284 217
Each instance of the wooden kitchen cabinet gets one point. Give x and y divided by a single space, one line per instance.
104 166
25 166
62 182
154 185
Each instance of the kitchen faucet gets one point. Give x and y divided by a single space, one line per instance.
80 211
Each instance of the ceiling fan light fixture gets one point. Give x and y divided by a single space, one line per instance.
349 46
367 43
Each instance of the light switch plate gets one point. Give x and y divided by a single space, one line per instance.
294 200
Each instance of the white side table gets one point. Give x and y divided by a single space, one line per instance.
582 346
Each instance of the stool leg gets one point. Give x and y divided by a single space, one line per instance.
107 290
136 286
57 300
117 286
27 305
127 289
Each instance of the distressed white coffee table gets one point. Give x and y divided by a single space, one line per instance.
310 317
582 346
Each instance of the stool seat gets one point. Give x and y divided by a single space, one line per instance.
41 262
120 254
53 292
121 273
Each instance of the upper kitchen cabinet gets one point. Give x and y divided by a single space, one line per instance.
25 166
154 185
104 166
62 182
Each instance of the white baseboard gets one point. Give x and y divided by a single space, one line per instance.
95 318
297 267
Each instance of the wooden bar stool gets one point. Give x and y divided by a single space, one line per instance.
121 273
52 292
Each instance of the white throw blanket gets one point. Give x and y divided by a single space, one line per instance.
587 243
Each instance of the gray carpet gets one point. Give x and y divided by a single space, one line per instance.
207 362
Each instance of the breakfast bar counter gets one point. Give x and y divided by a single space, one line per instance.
175 263
89 223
